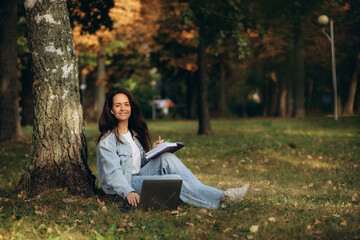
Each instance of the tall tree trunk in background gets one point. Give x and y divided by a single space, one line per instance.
100 82
10 127
299 74
283 97
266 97
274 94
204 117
191 95
59 151
290 94
349 105
222 103
27 102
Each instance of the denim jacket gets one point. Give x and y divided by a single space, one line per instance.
114 164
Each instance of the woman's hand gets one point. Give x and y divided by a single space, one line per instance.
133 198
158 142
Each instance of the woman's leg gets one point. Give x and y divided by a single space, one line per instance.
192 191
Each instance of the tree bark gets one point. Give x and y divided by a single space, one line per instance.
100 82
290 95
10 127
223 105
204 117
27 102
266 97
190 96
283 97
299 74
274 94
349 105
59 151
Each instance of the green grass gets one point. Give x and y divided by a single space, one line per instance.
304 176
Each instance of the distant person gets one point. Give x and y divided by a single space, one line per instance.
121 162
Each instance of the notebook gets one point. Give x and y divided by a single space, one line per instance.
160 194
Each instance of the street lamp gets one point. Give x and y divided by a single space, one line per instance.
324 20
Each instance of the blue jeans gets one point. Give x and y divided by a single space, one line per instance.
168 166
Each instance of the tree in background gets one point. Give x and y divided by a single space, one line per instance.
351 22
175 57
10 127
213 19
59 153
92 18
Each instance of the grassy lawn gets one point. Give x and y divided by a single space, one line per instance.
304 177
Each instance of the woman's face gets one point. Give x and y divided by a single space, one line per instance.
121 107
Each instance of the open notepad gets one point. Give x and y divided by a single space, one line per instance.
170 147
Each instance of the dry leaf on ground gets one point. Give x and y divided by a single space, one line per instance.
254 228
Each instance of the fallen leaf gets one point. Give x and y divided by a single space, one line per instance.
102 203
12 217
38 212
318 232
271 219
190 224
311 184
131 224
250 237
121 230
343 223
49 230
104 209
68 200
336 215
354 197
124 224
203 210
227 230
317 222
254 228
309 227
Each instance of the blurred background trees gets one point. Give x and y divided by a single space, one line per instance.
227 58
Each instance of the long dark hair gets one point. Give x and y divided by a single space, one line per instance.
108 123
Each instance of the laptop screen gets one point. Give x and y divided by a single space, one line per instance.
160 194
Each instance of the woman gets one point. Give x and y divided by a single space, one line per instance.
124 139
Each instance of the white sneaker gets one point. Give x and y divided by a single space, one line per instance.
235 195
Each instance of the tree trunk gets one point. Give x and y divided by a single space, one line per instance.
274 94
59 152
190 96
290 94
266 97
100 82
282 104
27 102
204 117
349 105
299 74
222 104
10 127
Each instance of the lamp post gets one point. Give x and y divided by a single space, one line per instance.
324 20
